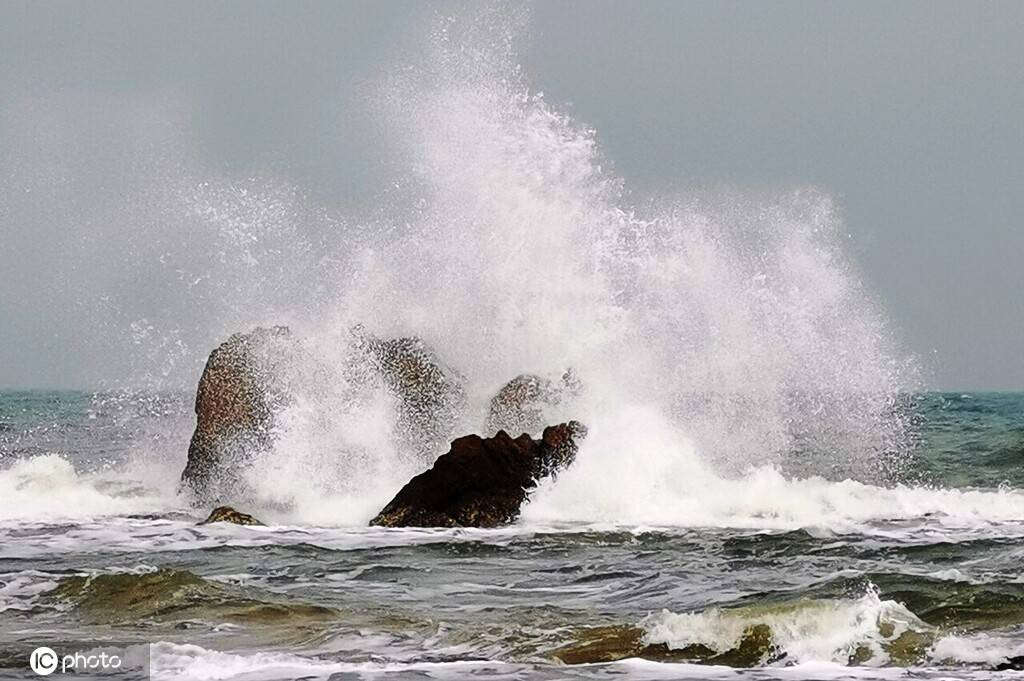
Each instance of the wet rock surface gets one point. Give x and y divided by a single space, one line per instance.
239 394
607 644
430 395
482 482
226 514
1011 664
522 404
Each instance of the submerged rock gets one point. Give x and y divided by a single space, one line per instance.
482 482
756 647
608 644
520 406
170 595
603 644
430 395
128 597
226 514
239 395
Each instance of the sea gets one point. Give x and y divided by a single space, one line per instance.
767 490
919 579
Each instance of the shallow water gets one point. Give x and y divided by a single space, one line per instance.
97 551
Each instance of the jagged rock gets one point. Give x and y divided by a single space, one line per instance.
430 395
520 406
226 514
482 482
239 394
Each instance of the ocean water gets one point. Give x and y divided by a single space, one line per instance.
762 452
98 552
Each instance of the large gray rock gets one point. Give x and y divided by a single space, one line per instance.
240 393
430 395
524 404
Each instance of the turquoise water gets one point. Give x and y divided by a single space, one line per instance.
973 439
964 439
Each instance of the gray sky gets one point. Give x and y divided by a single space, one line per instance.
909 113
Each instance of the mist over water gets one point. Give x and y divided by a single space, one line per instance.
727 324
715 331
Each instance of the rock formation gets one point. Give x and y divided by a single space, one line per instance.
430 395
520 406
239 394
247 382
482 482
226 514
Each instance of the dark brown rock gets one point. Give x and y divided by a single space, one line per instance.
1011 664
481 482
226 514
239 394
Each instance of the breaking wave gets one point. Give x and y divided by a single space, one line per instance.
714 332
49 488
731 355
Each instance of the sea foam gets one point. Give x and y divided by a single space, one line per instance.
48 487
730 328
723 337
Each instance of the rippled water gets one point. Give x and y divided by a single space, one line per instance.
98 552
